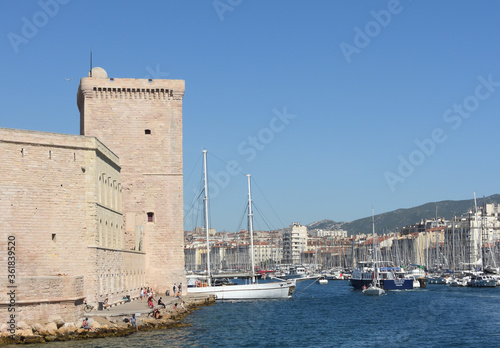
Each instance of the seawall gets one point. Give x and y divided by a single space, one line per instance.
112 322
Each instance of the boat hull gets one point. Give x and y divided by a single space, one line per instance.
374 291
386 284
275 290
360 284
483 283
397 284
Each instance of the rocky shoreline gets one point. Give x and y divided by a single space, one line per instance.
102 325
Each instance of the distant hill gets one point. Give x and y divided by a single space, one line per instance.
327 225
403 217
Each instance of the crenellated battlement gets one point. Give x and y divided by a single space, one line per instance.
131 89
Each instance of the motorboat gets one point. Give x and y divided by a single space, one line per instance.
362 276
322 280
373 290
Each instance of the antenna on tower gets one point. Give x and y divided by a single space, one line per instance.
91 62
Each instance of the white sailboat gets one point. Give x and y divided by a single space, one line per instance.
272 290
374 289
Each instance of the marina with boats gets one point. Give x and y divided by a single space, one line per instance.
459 252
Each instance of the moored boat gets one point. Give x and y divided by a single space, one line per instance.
363 275
272 290
322 280
482 281
374 289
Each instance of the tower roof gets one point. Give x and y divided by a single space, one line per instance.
98 73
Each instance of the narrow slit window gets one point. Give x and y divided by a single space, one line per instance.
151 217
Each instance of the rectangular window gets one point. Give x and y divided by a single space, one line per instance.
151 217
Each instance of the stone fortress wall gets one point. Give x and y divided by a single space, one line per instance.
79 213
141 120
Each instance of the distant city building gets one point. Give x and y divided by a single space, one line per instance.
323 233
232 250
200 231
422 226
294 243
471 238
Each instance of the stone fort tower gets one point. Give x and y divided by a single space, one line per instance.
141 121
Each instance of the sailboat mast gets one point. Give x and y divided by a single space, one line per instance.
478 234
437 240
205 201
250 228
375 279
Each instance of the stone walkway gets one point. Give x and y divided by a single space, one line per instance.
140 308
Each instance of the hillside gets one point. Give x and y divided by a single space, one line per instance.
402 217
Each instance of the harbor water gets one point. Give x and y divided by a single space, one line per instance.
334 315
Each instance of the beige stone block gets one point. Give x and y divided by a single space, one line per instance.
70 327
24 333
56 319
22 325
37 327
49 329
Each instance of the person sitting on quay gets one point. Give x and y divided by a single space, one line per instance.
183 306
86 325
160 303
106 304
156 314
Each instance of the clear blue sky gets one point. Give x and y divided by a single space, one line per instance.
337 94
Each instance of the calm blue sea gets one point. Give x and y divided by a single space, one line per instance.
333 315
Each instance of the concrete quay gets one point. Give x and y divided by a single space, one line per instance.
140 307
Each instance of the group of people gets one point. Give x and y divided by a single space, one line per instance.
183 306
148 294
86 325
177 290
